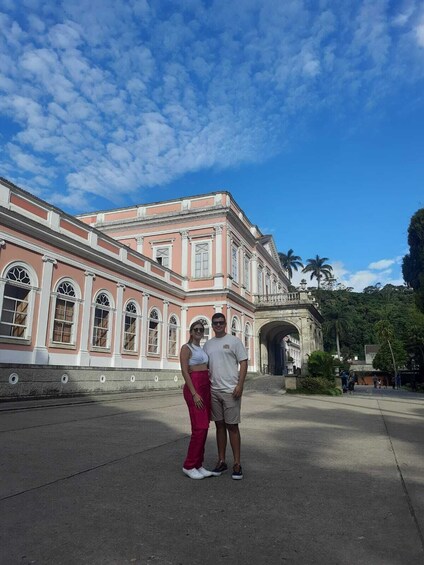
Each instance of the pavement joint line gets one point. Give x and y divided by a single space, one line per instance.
402 480
84 471
78 420
98 400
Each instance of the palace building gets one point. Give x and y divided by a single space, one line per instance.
102 302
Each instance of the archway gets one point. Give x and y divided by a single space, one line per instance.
278 340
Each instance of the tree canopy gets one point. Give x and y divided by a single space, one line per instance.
361 311
318 268
290 261
413 262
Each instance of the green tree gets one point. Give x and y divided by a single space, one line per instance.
321 364
392 353
413 262
337 321
318 268
289 261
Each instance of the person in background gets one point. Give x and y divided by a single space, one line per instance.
197 394
228 368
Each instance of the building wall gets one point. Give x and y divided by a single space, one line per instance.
58 251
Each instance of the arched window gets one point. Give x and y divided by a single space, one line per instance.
102 321
154 333
64 314
247 337
206 325
173 336
235 326
17 298
130 327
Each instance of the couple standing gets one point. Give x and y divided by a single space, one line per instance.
213 389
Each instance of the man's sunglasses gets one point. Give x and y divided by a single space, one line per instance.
201 330
218 323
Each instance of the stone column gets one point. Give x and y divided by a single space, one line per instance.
117 357
164 351
184 328
2 283
144 328
40 354
184 253
219 275
83 354
139 239
254 273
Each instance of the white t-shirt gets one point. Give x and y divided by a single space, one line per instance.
225 354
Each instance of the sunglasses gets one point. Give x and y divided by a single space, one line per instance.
201 330
218 323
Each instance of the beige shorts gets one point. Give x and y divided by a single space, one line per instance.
225 407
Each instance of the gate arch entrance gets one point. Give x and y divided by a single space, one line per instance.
275 354
279 322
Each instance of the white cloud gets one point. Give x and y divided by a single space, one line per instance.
382 264
419 31
201 86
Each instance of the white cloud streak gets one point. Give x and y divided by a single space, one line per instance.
117 96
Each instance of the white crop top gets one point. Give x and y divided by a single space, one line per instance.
198 356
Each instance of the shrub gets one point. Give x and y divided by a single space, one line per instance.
321 364
317 385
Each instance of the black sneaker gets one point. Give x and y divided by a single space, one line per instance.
220 468
237 472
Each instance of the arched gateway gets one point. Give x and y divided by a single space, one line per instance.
282 324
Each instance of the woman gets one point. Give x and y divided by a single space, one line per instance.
197 394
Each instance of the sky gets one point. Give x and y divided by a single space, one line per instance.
310 113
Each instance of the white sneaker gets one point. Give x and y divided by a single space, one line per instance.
193 473
204 472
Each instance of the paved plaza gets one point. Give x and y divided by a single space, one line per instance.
328 480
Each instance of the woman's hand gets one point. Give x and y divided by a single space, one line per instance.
198 400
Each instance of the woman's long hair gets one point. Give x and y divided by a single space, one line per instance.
190 340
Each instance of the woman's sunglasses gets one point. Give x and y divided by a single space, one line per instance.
201 330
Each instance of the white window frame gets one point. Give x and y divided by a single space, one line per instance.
260 280
235 326
153 346
98 307
136 316
209 261
173 327
158 248
66 298
29 298
247 338
246 271
235 262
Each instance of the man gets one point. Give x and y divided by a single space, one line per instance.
226 353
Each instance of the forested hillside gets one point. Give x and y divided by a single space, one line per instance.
351 317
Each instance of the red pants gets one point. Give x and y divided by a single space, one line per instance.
199 418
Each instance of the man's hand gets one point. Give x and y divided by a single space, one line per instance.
238 391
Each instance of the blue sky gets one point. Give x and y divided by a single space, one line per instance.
310 113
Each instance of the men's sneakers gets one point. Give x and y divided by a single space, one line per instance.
205 472
193 473
220 468
237 472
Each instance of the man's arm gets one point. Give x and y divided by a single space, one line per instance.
238 391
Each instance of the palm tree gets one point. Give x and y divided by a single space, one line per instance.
337 322
318 268
289 262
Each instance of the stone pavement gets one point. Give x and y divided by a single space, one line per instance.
327 481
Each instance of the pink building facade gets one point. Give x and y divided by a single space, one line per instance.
104 301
